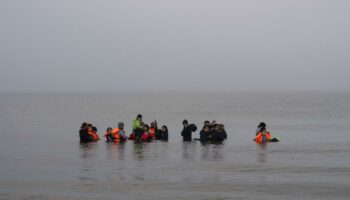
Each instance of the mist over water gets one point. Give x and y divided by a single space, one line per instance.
41 158
174 45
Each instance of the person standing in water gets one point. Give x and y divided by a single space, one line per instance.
95 134
153 129
83 133
108 135
263 136
204 134
164 133
119 133
187 130
137 123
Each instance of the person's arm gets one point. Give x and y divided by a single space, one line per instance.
138 124
123 135
134 124
156 125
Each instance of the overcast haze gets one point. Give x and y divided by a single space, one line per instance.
109 45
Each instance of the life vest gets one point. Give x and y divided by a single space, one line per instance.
132 136
115 133
146 137
152 132
259 137
95 136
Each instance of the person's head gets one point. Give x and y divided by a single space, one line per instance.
94 129
185 123
216 127
262 125
221 127
145 127
83 125
164 128
153 124
121 125
89 125
206 128
206 123
109 130
139 117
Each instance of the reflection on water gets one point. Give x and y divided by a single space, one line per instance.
261 153
139 151
189 151
115 151
87 150
212 152
208 151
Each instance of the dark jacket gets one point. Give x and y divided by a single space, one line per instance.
204 136
138 133
186 133
164 135
217 136
159 134
84 136
224 134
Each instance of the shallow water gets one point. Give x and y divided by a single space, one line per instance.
41 158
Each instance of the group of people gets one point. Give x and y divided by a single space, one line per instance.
88 133
145 133
141 132
213 132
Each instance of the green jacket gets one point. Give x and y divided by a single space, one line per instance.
136 124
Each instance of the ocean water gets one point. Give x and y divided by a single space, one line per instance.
41 157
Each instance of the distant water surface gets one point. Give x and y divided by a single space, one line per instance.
41 158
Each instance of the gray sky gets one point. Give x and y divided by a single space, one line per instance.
73 45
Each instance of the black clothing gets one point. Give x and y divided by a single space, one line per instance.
224 134
159 135
186 133
204 136
110 138
217 136
84 136
138 133
164 135
192 127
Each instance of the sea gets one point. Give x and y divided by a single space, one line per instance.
41 157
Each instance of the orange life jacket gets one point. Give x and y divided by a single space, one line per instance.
152 132
95 136
259 137
115 133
